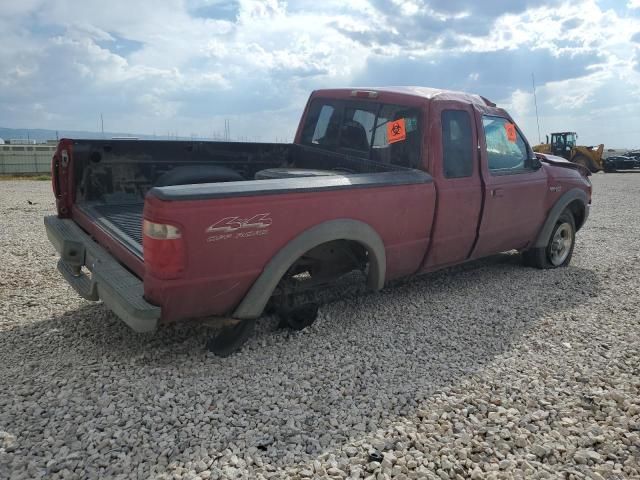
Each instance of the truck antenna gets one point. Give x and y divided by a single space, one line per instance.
535 101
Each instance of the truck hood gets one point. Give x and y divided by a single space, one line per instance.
561 162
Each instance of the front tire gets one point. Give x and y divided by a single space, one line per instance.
559 249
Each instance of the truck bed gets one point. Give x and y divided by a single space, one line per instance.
123 222
113 181
112 178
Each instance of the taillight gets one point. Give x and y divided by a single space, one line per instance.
163 247
161 231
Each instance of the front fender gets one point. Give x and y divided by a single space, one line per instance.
561 204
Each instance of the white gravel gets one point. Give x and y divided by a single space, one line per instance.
490 370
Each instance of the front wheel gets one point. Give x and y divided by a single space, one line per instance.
559 248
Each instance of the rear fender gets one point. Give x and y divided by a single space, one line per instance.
343 229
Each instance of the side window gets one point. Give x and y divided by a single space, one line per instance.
506 149
322 125
457 147
403 147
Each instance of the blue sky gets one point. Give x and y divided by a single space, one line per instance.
184 66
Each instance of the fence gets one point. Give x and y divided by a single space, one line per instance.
17 159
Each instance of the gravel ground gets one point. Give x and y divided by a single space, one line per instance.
490 370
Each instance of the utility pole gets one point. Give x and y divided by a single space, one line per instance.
102 125
535 101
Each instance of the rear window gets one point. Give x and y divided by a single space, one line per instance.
321 132
380 132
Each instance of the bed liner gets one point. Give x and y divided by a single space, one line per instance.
123 222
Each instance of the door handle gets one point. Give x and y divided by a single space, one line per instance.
497 192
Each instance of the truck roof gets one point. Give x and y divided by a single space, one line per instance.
415 91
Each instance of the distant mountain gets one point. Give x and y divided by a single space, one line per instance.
40 134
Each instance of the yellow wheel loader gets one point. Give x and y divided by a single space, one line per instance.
563 144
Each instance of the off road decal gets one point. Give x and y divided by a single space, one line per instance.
238 227
511 132
396 131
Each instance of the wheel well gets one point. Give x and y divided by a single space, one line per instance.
335 250
327 268
577 209
330 260
345 230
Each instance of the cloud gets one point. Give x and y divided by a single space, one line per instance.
603 107
571 23
520 104
186 65
120 45
468 71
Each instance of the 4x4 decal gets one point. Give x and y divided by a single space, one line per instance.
238 227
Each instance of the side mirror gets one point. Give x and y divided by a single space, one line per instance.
535 163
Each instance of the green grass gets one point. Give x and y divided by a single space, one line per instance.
26 176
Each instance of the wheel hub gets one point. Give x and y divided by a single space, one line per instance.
561 244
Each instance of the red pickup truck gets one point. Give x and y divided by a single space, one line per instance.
390 182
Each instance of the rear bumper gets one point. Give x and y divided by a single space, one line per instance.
108 281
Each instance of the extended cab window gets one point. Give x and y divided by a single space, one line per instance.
397 137
457 146
380 132
507 151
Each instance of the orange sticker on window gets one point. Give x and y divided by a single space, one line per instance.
396 131
511 132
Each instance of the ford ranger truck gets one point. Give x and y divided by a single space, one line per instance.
379 184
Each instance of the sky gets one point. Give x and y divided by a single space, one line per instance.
184 66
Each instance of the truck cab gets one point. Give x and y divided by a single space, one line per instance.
489 181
